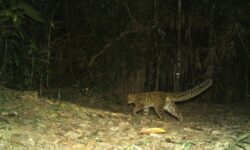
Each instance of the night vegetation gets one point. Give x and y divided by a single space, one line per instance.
127 45
124 74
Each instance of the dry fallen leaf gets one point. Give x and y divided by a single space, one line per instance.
152 130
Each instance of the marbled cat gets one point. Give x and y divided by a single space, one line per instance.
161 101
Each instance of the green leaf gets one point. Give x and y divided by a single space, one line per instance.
15 18
17 60
239 141
31 12
188 145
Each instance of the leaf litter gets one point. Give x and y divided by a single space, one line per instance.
77 122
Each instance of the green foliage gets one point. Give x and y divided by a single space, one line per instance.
31 12
21 48
188 145
119 38
242 142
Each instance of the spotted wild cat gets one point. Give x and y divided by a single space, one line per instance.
161 101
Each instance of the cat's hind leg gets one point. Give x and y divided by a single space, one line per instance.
172 109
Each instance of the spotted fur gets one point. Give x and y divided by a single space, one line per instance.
161 101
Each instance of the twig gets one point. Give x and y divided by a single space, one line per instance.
48 46
5 55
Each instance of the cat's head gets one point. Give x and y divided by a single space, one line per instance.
131 98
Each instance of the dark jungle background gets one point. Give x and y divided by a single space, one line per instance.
126 45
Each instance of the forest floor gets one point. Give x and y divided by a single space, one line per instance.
105 123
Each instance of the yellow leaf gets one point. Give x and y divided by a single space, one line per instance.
152 130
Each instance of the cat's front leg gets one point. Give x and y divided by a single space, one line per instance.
159 111
145 112
136 109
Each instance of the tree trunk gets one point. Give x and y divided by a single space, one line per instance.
177 72
246 75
